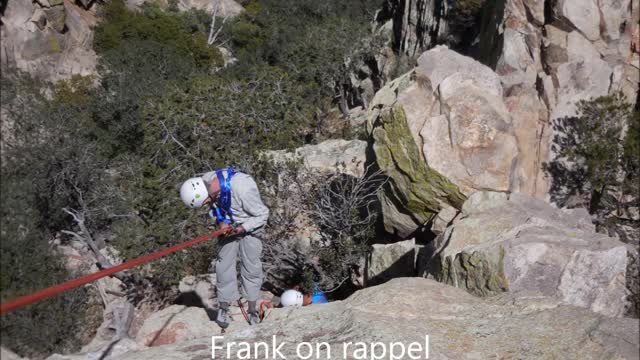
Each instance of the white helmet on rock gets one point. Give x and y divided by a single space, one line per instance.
194 192
291 298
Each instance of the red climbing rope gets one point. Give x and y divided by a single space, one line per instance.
60 288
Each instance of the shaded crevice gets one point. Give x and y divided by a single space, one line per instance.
491 42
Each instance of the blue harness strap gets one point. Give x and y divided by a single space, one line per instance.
223 207
318 296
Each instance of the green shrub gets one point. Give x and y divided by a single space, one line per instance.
120 25
309 40
597 157
131 74
37 167
60 324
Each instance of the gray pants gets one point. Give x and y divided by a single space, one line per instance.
251 268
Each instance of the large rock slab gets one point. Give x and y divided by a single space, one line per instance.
459 325
440 132
521 244
176 323
480 148
328 158
584 15
414 191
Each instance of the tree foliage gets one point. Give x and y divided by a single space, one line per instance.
597 158
178 31
42 162
318 43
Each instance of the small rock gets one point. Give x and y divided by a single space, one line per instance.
224 8
329 157
39 19
583 15
56 16
201 286
74 260
443 219
227 56
44 3
6 354
388 261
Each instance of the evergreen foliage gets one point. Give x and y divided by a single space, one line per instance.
44 162
597 159
120 25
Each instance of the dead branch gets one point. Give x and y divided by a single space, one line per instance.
122 315
213 32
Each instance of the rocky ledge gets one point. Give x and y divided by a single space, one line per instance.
405 310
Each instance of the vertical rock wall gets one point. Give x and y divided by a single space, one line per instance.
51 39
550 55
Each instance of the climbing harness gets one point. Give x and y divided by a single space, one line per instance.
222 209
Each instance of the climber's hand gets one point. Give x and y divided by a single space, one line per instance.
238 230
226 228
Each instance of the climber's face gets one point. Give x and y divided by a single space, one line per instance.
214 189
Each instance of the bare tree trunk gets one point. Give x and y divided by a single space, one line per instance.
85 237
344 107
213 32
123 314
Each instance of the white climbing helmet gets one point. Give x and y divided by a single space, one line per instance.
194 192
291 298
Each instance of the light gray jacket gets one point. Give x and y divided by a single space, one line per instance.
246 204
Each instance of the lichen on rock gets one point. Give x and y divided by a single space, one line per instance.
420 190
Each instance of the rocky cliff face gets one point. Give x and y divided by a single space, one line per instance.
489 128
547 56
550 55
414 25
51 39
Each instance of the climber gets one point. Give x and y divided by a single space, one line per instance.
236 206
293 297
